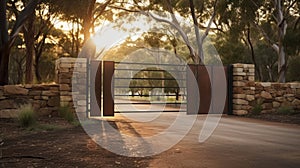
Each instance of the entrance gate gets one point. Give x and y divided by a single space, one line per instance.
134 87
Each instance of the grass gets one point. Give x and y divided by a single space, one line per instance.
286 110
257 108
66 113
43 127
27 116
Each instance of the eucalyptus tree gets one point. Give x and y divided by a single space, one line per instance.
277 15
201 13
256 21
7 37
83 16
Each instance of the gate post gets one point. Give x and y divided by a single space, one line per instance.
108 88
95 88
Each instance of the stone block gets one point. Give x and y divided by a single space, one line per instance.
54 88
240 102
290 99
246 107
64 81
35 93
239 84
286 104
238 65
8 104
9 113
53 101
45 97
239 96
276 105
250 97
238 69
64 87
296 102
238 90
239 73
81 103
37 97
66 65
295 85
289 95
265 95
238 78
237 107
15 90
266 84
40 87
280 99
240 112
250 83
249 92
28 86
65 98
48 93
251 70
251 78
267 106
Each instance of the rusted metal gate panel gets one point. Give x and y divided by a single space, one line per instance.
217 83
95 88
108 88
207 77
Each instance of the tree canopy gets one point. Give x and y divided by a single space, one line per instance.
265 33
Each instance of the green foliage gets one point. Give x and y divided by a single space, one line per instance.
257 108
286 110
66 113
27 116
293 73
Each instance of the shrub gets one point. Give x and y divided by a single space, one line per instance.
257 109
66 113
286 110
27 116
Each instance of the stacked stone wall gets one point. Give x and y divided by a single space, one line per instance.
71 77
43 98
273 96
243 88
270 97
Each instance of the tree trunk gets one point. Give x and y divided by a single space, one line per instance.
29 43
4 60
282 26
88 20
4 48
257 70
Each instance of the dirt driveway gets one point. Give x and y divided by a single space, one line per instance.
237 142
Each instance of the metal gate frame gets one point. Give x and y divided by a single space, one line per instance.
100 93
100 101
151 78
202 73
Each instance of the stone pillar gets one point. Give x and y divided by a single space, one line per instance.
72 72
243 88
